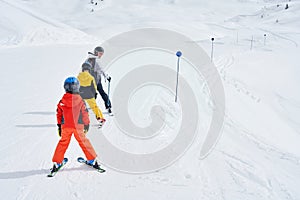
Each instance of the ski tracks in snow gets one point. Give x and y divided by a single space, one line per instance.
250 169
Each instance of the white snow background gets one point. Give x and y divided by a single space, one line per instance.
258 154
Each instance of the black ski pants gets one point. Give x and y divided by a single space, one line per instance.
103 95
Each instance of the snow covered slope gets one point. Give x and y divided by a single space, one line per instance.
256 53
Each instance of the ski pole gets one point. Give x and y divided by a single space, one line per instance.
178 54
108 88
212 49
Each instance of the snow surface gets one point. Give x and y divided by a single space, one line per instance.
257 155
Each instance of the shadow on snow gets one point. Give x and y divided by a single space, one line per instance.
23 174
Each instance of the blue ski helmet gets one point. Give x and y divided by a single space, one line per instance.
86 66
72 85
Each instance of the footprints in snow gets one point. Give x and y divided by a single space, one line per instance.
240 87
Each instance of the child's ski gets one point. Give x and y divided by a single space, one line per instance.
54 170
95 166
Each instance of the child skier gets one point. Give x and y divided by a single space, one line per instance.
72 118
88 90
96 72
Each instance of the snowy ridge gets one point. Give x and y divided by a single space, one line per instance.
47 30
55 35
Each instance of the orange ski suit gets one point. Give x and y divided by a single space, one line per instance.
72 115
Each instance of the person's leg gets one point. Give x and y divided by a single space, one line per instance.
104 96
85 144
93 105
62 145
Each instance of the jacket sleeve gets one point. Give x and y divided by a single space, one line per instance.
85 114
59 113
100 70
94 86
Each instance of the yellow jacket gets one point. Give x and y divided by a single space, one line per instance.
87 85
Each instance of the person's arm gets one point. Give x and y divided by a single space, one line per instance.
85 114
100 70
59 116
85 117
94 86
59 113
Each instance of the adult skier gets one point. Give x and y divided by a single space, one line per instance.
96 72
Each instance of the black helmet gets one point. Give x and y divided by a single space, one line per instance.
86 66
98 49
72 85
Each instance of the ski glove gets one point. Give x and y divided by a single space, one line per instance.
86 128
59 129
109 78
